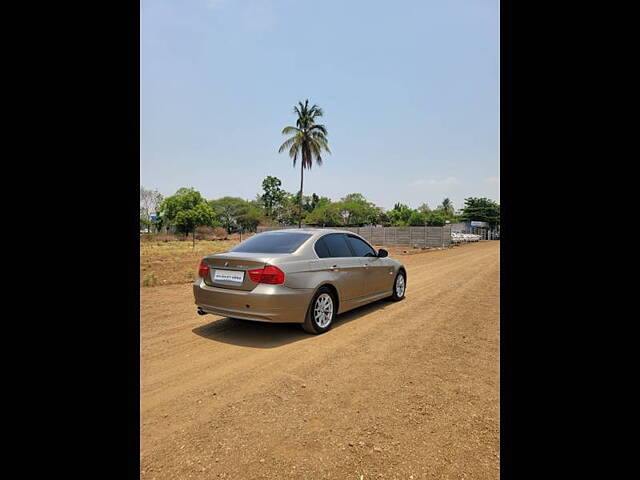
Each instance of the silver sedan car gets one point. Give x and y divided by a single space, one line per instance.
305 276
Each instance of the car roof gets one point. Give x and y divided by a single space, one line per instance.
309 230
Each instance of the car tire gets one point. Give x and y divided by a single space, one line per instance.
400 277
323 302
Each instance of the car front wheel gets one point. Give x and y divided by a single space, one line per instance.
399 287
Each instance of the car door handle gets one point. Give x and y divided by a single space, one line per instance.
334 267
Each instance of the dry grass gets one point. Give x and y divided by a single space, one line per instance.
174 262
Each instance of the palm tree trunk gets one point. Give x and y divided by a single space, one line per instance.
301 180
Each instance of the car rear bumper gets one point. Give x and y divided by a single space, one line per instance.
265 303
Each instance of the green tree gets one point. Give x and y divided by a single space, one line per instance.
306 202
447 208
309 202
184 199
327 215
399 215
317 201
287 212
308 140
424 208
250 218
189 220
382 217
354 197
436 219
186 210
417 218
235 213
359 210
273 194
481 210
228 210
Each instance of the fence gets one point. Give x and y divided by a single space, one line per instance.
395 236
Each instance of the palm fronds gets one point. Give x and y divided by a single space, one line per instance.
308 139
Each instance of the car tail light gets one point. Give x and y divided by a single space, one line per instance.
269 274
204 270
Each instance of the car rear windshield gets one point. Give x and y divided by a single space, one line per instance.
272 242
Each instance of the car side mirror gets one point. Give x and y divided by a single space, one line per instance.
382 253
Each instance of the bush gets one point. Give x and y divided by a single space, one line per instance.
220 233
158 237
417 219
204 233
211 233
436 219
150 280
267 222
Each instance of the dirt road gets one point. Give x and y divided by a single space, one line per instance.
405 390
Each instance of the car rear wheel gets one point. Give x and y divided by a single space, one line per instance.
399 287
321 312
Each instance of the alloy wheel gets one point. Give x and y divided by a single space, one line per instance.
323 310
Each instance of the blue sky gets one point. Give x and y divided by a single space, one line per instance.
410 91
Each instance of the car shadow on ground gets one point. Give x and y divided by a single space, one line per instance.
246 333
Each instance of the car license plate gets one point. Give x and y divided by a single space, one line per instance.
228 276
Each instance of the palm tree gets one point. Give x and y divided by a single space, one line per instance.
447 207
308 140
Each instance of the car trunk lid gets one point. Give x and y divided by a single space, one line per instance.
227 268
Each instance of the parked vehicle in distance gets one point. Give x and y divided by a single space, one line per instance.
305 276
458 237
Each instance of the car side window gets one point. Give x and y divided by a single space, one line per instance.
321 249
337 245
361 248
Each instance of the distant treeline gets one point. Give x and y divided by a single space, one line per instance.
187 209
